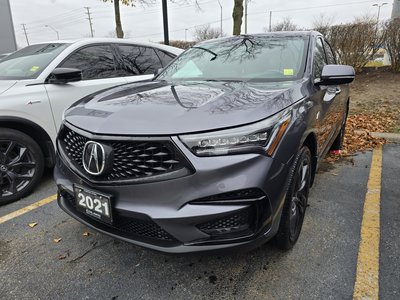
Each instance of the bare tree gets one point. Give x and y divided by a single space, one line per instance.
322 23
356 42
206 32
113 34
180 44
118 24
285 25
237 16
392 41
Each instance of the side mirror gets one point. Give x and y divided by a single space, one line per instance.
337 74
64 75
158 72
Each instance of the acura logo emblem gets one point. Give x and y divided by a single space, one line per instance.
94 158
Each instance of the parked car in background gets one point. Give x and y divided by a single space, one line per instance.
218 151
38 82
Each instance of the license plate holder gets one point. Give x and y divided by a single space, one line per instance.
94 204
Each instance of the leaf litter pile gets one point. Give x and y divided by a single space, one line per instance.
359 127
374 107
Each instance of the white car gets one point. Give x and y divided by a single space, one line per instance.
39 82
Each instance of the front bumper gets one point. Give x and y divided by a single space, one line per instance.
231 201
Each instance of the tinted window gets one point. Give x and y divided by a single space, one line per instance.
243 58
319 59
96 62
164 57
329 54
30 61
138 60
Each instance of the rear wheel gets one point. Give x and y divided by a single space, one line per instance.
21 165
295 204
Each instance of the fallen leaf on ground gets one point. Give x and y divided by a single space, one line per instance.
31 225
57 240
62 256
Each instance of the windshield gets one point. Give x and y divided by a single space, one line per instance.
30 61
243 58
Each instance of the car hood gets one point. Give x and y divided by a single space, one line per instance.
160 108
6 84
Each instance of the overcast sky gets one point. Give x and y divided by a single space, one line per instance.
145 23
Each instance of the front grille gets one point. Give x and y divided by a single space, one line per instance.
132 160
142 228
129 227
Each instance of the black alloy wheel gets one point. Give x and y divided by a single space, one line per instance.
21 165
296 201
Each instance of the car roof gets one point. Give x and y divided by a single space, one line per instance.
90 41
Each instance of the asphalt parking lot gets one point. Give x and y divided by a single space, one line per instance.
61 258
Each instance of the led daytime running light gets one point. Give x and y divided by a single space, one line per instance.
232 141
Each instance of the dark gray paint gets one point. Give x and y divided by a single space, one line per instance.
157 109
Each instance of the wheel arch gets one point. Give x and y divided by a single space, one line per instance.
34 131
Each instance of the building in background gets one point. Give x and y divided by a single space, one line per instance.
396 9
7 34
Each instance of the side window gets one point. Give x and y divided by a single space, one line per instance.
137 60
96 62
329 54
164 57
319 59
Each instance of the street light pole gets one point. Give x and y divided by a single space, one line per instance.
186 30
245 16
165 21
221 18
379 11
51 27
270 20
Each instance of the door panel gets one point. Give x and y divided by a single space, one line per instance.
340 106
29 102
327 101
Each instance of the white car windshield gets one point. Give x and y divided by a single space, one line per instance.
30 61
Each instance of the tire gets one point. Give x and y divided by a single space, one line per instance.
21 165
296 199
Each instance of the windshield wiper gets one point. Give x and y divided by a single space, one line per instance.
207 50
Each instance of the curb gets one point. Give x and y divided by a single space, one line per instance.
390 137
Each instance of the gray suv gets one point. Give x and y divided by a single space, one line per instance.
218 151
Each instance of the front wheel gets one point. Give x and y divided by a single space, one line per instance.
21 165
296 199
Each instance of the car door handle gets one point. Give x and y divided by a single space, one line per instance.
338 90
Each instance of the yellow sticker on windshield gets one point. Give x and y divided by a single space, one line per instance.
288 72
34 68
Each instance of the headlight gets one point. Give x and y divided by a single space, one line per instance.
261 137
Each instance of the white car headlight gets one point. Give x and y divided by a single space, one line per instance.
260 137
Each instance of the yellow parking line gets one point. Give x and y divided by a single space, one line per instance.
27 209
367 276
